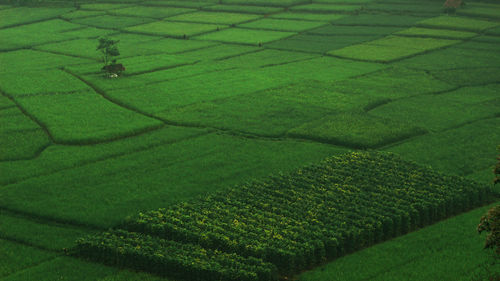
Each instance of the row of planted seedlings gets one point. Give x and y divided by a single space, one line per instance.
320 212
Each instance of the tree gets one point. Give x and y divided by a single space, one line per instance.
108 48
451 5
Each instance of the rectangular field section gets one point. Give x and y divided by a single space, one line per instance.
245 36
174 29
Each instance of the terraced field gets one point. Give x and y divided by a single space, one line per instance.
248 140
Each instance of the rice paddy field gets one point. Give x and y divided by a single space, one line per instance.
259 140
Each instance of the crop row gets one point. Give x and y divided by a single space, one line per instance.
318 212
187 261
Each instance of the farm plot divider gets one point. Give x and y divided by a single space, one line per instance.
287 223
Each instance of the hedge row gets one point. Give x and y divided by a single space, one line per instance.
319 212
170 258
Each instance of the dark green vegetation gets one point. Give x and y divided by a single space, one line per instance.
217 93
293 221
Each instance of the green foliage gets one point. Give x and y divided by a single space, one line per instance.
491 223
108 49
170 258
317 212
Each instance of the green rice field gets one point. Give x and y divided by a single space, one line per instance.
248 140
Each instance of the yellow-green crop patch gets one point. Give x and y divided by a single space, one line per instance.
326 8
35 60
150 12
391 48
282 24
264 10
24 15
458 23
112 22
307 16
245 36
40 82
357 130
88 117
174 29
438 33
81 14
215 17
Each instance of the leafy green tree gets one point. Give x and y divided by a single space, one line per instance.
109 49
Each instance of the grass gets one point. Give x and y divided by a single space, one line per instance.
282 24
457 23
34 34
54 158
16 257
421 255
318 43
86 112
480 136
19 144
468 77
245 36
112 22
25 15
429 8
326 8
87 32
244 9
272 3
177 3
438 33
172 46
391 48
35 60
307 16
356 130
393 83
403 20
40 82
481 10
174 29
103 6
215 17
150 12
81 14
104 193
354 30
266 57
444 111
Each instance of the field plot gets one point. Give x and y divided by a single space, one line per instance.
438 33
354 30
81 14
40 82
172 46
150 12
34 34
282 24
103 6
24 15
174 29
178 3
112 22
243 220
266 57
20 137
393 83
391 48
35 60
20 256
379 20
245 36
326 8
215 17
311 43
420 8
457 23
307 16
481 10
87 32
244 9
357 130
272 3
461 107
89 117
